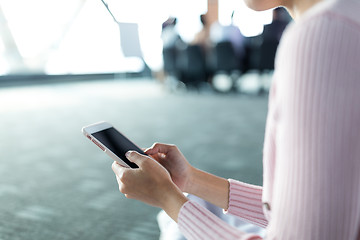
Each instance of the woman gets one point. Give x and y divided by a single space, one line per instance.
311 160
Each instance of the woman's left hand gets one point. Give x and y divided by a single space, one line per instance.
150 183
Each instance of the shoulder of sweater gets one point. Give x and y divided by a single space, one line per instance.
345 11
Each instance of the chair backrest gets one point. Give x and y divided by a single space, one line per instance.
252 53
170 58
191 65
225 57
129 40
267 54
192 60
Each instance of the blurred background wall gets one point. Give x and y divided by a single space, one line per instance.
80 36
66 64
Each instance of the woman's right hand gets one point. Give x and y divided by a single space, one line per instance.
189 179
174 161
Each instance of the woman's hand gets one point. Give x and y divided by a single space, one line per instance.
150 183
189 179
170 157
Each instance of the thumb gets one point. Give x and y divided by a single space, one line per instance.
135 157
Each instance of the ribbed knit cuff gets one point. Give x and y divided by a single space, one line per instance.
245 202
196 222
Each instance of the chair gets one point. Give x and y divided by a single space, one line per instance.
267 54
225 59
192 66
226 66
170 58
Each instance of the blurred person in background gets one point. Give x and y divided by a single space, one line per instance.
275 29
231 33
270 39
170 35
311 156
202 38
172 45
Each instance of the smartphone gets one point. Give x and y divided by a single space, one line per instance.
112 142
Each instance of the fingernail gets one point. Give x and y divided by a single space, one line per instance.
127 154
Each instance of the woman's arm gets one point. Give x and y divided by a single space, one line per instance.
239 199
151 183
166 194
209 187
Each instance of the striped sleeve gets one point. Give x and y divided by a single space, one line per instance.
198 223
245 202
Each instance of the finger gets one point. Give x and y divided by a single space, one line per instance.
135 157
117 179
155 148
158 148
117 169
161 155
158 156
122 189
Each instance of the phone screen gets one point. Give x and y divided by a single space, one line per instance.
117 143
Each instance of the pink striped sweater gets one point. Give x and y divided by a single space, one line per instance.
311 186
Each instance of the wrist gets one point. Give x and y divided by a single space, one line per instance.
209 187
191 180
173 200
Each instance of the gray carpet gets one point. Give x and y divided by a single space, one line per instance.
55 184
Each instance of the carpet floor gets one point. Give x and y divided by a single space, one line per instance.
55 184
